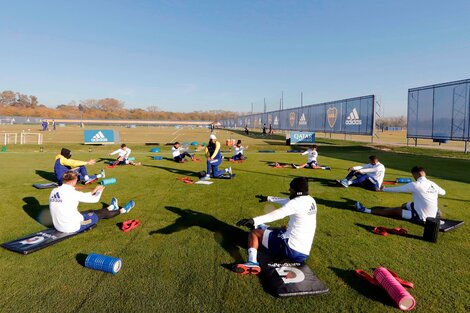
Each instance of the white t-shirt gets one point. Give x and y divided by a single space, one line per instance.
302 222
239 149
175 151
425 194
376 171
312 155
122 153
63 203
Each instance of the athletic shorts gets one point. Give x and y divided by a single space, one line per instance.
408 212
123 162
274 241
312 164
90 219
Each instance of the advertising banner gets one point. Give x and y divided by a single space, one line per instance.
302 138
98 136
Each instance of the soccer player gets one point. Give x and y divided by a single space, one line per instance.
214 159
239 149
64 200
311 160
64 163
369 176
123 156
424 192
179 153
293 243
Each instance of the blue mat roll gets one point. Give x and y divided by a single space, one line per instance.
157 157
108 181
194 143
403 180
103 263
155 150
131 159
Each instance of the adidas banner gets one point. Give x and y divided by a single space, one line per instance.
99 136
347 116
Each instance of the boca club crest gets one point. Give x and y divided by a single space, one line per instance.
292 119
332 114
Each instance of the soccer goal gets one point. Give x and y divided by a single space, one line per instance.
31 137
10 138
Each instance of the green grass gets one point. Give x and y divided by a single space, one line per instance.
175 261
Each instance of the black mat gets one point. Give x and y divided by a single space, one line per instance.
45 186
449 225
37 241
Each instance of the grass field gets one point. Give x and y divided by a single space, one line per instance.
176 261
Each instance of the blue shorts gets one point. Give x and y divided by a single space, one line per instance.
278 245
312 164
90 219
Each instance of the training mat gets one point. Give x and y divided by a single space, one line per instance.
449 225
37 241
45 186
289 279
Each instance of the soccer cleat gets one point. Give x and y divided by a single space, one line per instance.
327 168
103 175
360 207
229 170
207 177
90 180
294 166
262 226
247 268
345 183
114 205
128 206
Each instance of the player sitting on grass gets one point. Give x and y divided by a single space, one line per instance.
424 205
214 159
369 176
312 159
293 243
64 163
179 153
239 149
64 200
123 156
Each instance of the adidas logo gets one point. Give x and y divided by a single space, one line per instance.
302 120
55 198
276 122
353 118
99 137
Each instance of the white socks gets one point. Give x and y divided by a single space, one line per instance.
367 211
99 176
252 255
86 177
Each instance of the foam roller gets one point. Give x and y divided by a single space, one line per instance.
395 290
155 150
403 180
108 181
103 263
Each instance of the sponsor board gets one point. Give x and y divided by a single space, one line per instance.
353 118
302 138
332 115
98 136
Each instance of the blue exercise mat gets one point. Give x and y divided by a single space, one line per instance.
37 241
46 185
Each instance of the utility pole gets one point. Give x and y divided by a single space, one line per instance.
264 100
252 108
282 100
301 99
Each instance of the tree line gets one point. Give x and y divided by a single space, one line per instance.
17 104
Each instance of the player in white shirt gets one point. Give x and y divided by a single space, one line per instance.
179 153
64 200
312 155
369 176
293 243
123 156
238 149
425 194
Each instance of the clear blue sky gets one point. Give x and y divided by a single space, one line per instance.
205 55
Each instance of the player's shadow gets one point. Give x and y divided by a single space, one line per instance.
229 237
105 160
178 171
363 287
255 172
50 176
325 182
345 204
40 213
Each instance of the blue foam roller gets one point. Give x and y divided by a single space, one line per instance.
108 181
402 180
131 159
157 157
103 263
155 150
194 143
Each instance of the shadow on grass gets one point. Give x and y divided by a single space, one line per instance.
81 257
229 237
50 176
40 213
371 230
105 160
178 171
363 287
